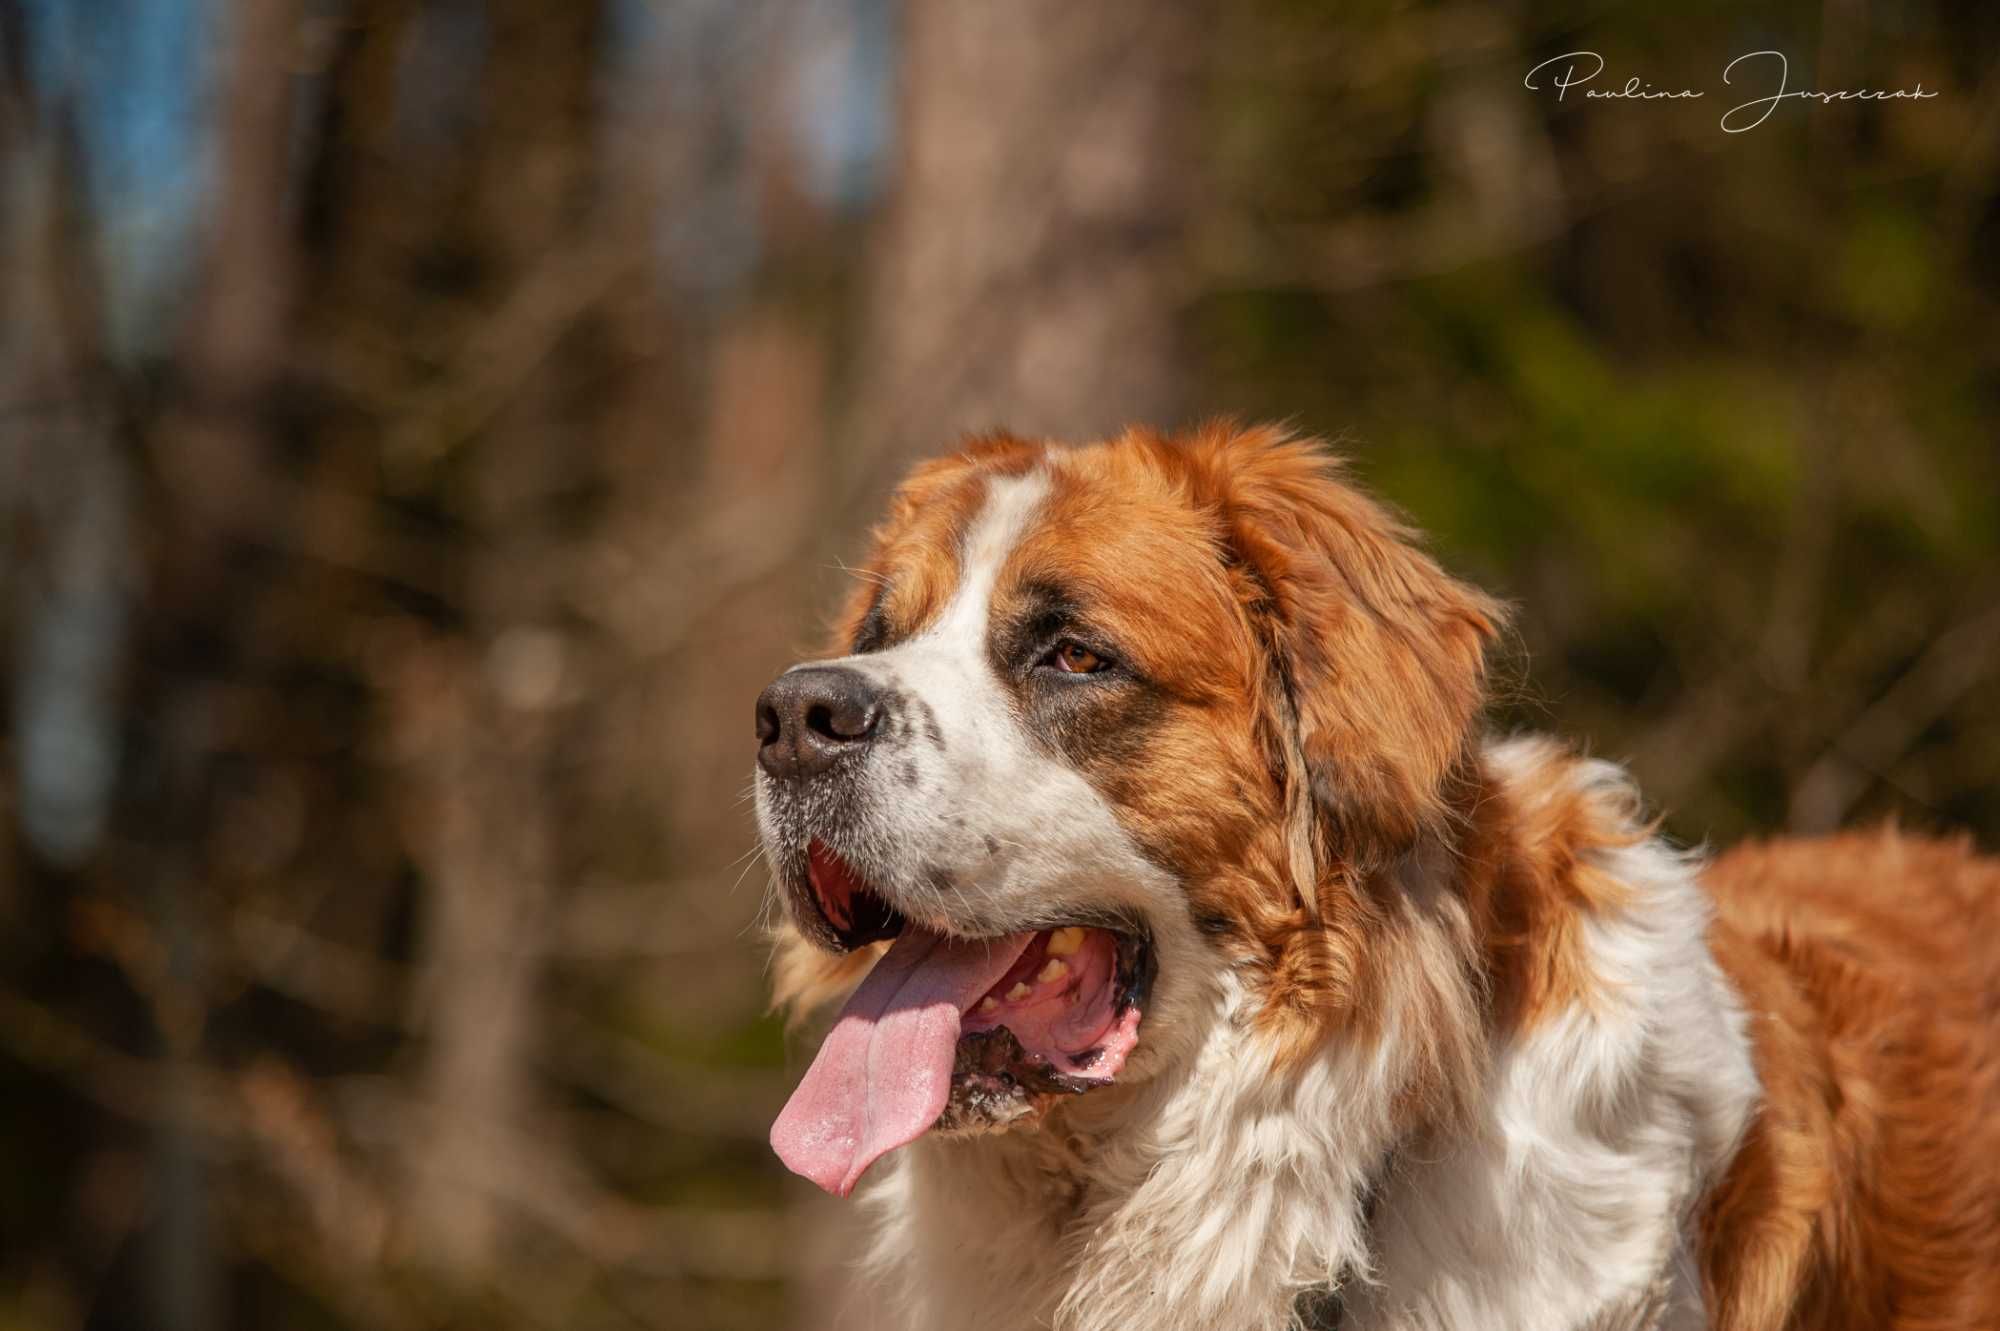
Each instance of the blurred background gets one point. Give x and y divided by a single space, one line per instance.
426 424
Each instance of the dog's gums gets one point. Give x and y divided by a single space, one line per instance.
855 914
960 1034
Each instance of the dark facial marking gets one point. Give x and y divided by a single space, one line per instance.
894 718
1099 722
927 717
1036 621
873 633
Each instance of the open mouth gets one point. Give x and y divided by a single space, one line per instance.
854 914
952 1033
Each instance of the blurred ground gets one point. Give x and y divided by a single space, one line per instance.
426 424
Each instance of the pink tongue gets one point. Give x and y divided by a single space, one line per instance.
884 1073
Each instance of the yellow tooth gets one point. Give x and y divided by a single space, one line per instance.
988 1003
1065 941
1053 969
1018 992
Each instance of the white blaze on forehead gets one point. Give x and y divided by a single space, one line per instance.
946 664
1010 507
987 771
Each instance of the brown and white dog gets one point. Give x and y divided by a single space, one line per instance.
1219 972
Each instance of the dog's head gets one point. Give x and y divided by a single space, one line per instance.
1111 722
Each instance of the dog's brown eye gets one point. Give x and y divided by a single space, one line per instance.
1078 659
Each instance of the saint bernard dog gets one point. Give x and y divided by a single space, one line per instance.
1205 965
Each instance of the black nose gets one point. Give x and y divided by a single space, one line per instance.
812 715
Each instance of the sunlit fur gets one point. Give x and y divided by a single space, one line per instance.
1440 1024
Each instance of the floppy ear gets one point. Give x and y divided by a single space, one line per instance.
1379 655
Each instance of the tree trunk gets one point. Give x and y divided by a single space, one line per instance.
1029 273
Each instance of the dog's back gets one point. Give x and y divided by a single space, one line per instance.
1867 1192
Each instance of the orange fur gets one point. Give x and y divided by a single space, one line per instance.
916 544
1868 1193
1529 876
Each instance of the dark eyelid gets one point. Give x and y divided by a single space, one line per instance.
1109 661
1079 638
1060 616
1048 615
1056 613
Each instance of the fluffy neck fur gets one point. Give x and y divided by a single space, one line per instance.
1554 1071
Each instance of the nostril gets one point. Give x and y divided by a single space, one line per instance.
810 716
842 720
